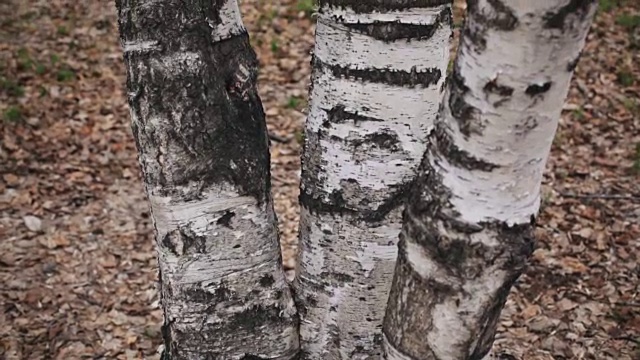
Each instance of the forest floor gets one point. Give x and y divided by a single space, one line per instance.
77 264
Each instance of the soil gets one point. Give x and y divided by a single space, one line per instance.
77 265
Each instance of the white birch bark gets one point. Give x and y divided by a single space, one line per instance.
467 231
202 141
378 75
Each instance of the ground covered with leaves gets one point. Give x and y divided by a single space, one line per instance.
77 264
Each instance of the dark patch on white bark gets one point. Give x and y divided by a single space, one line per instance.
198 295
335 204
499 17
339 114
466 115
253 357
382 139
256 315
394 201
220 134
575 8
225 220
525 127
494 88
394 31
538 89
183 241
460 158
332 203
267 280
337 277
403 78
368 6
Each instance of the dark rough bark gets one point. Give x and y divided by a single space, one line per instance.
203 147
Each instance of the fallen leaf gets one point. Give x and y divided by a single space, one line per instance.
32 223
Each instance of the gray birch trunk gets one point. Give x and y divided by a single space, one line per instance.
467 231
202 141
378 75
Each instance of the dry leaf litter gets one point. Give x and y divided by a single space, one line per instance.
77 265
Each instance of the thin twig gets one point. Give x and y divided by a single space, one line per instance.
630 304
600 196
627 338
278 138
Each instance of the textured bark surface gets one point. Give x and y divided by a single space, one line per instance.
467 231
378 75
202 141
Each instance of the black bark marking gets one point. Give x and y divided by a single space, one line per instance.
367 6
339 114
577 8
503 19
255 316
253 357
225 220
381 139
525 128
267 280
494 88
198 295
394 201
475 36
466 115
462 159
538 89
184 241
499 17
334 203
338 277
404 78
394 31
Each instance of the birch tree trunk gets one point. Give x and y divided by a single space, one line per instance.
378 75
201 136
467 231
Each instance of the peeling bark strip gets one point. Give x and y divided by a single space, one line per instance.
467 230
377 83
202 142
